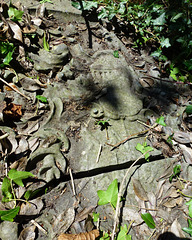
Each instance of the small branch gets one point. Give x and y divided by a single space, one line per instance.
39 227
14 89
120 194
99 153
72 182
4 136
132 135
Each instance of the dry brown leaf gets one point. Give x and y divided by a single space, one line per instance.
17 34
171 203
12 110
139 190
64 220
92 235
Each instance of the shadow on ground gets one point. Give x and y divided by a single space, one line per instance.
170 236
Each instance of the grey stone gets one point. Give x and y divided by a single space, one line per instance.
8 230
48 60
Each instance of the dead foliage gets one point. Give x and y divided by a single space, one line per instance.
92 235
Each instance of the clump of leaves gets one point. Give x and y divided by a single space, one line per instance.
8 193
14 14
6 53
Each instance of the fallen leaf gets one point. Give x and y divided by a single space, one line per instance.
84 213
139 190
176 229
92 235
13 111
187 152
132 215
17 33
64 220
171 203
31 208
27 233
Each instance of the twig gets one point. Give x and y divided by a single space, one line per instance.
14 89
120 194
132 135
4 136
151 234
99 153
39 227
72 182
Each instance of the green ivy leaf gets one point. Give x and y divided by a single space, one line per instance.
6 190
105 237
103 13
148 219
110 195
116 54
123 234
8 215
160 20
144 148
176 172
95 217
14 14
42 98
188 109
189 228
165 42
189 203
161 121
18 176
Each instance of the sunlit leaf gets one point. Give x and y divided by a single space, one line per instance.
8 215
18 176
42 98
6 190
148 220
161 121
110 195
14 14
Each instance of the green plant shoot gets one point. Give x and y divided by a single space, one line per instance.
41 99
14 14
95 217
8 215
161 121
176 172
144 148
110 195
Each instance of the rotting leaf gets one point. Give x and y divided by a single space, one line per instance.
139 190
110 195
148 220
92 235
17 33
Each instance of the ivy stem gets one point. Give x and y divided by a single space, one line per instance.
120 193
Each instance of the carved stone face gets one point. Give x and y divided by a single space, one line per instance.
117 77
